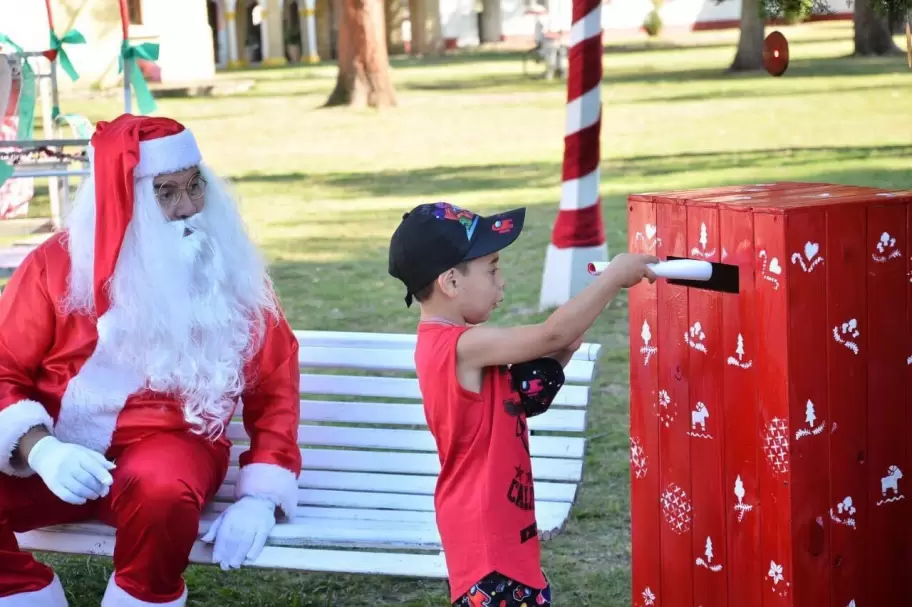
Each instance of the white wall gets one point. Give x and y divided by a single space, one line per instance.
617 15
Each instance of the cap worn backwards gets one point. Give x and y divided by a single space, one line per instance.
432 238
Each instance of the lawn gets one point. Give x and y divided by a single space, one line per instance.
323 189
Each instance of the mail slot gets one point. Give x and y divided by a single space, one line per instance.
769 426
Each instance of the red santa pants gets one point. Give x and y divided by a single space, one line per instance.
161 484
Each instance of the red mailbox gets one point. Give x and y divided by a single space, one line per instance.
768 428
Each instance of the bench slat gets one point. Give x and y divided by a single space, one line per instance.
407 440
391 502
546 469
556 419
350 532
549 514
404 387
409 483
355 339
273 557
399 359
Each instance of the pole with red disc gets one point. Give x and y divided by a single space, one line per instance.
578 235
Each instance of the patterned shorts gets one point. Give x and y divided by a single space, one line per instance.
496 590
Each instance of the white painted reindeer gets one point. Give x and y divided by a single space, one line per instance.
699 417
891 480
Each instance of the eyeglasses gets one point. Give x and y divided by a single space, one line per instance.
169 193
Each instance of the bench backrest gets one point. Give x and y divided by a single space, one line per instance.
364 440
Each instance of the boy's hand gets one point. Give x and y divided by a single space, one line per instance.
628 269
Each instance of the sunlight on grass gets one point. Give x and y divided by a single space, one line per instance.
323 190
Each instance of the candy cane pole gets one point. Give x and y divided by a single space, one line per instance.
578 236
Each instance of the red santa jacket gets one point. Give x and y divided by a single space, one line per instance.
52 375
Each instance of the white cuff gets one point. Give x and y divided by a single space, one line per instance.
51 595
269 481
115 596
15 421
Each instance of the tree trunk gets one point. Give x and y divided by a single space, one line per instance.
424 17
750 44
395 16
873 34
363 79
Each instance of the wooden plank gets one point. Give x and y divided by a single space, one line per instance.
645 512
741 345
404 387
706 423
546 469
544 510
771 293
272 557
888 548
808 338
407 341
410 484
397 359
846 270
555 419
407 440
677 558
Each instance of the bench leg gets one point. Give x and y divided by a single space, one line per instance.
50 596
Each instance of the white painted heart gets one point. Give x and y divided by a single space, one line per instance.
650 231
774 266
811 249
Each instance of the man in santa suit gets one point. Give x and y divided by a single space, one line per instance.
126 342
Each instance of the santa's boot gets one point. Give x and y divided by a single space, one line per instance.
50 596
115 596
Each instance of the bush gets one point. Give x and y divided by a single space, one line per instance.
653 23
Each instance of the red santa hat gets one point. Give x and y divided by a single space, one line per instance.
120 152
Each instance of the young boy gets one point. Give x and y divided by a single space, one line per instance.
479 385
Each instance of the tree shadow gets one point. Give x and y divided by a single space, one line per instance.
439 182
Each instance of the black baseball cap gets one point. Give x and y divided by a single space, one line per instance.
435 237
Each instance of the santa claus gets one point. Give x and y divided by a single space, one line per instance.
126 343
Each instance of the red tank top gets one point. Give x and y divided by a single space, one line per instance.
484 500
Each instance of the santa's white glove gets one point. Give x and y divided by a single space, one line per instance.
241 531
72 472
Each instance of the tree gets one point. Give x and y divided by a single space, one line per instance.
810 416
709 549
363 78
749 55
424 16
873 33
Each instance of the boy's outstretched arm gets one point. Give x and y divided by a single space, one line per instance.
483 346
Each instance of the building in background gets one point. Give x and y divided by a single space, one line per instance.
196 36
181 27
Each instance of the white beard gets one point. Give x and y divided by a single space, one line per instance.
187 312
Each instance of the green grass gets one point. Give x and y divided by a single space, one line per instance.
323 190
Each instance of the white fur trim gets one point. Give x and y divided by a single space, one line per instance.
272 482
163 155
94 398
51 595
115 596
15 421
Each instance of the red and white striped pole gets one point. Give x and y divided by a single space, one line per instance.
578 236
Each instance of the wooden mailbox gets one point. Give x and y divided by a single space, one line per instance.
769 428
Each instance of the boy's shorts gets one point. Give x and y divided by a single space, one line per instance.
499 590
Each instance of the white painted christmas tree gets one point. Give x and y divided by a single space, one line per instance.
646 334
739 489
709 549
740 349
810 416
704 239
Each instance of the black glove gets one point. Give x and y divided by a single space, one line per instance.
537 382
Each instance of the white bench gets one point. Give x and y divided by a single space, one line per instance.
370 465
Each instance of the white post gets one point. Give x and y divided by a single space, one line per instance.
231 25
309 13
264 33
